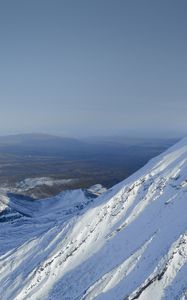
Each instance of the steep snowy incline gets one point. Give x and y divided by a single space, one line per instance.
130 243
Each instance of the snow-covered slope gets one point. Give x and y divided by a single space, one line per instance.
129 243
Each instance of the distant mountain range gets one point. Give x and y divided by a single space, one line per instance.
41 144
44 144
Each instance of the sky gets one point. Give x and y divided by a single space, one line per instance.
93 67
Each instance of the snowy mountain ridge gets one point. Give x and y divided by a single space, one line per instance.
129 243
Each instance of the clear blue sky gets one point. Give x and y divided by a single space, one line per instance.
93 67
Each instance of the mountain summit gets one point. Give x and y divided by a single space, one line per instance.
129 243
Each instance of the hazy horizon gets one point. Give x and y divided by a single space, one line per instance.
130 135
97 68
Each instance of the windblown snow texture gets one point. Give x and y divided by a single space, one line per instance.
129 243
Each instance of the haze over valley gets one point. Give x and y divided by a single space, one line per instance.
41 165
